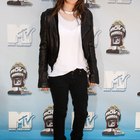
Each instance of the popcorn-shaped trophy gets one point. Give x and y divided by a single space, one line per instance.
91 4
117 35
18 74
112 117
19 3
48 121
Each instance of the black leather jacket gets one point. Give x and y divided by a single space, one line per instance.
49 45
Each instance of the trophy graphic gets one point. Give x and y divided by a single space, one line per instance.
117 35
91 4
19 3
18 74
112 117
48 121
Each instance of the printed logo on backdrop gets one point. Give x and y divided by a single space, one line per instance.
48 121
20 36
117 35
96 37
18 75
19 3
119 1
20 120
89 124
91 4
137 121
112 117
115 81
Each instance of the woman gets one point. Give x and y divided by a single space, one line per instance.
66 51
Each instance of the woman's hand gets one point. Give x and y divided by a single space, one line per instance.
44 89
91 88
92 84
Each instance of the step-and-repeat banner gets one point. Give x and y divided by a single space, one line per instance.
26 112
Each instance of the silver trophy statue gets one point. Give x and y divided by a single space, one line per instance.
112 117
19 3
18 74
91 4
117 35
48 121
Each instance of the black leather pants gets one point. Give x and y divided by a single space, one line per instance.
76 83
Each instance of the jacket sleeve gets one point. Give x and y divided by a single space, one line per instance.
93 70
43 61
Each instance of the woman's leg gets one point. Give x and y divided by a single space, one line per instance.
79 95
59 92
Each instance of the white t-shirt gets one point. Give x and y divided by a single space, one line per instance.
70 54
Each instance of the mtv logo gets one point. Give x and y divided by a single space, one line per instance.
119 1
20 36
115 80
137 121
20 120
89 124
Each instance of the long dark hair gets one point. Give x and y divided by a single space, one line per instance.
79 7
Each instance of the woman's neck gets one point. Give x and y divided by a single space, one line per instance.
68 6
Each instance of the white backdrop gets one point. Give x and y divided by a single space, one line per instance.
127 101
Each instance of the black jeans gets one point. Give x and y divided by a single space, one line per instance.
76 83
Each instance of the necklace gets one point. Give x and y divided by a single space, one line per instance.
68 12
